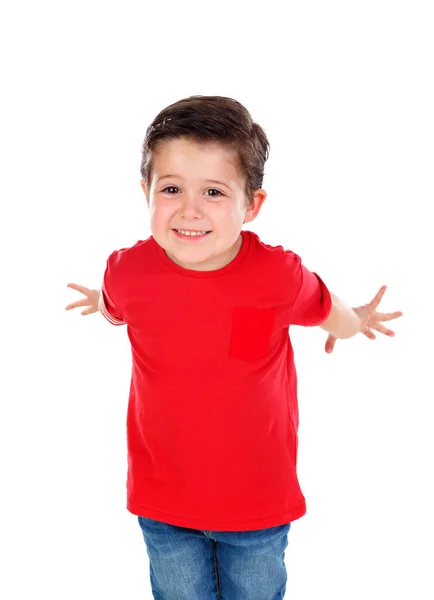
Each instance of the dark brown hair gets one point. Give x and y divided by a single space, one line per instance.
211 119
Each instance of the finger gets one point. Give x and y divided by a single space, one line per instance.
330 344
377 299
83 302
382 329
79 288
388 316
369 334
74 305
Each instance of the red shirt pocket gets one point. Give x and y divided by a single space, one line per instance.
251 332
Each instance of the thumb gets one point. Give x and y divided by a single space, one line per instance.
330 344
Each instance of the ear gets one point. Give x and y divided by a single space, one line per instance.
253 210
145 190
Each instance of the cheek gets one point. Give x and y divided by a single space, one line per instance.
160 216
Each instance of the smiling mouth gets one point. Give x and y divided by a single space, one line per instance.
192 234
193 230
190 239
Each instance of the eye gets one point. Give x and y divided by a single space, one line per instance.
214 190
172 187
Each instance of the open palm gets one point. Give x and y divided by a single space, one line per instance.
91 299
370 319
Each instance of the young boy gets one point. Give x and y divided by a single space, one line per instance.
213 415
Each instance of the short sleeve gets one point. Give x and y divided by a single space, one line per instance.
106 305
313 302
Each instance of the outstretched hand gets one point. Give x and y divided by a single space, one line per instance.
369 319
91 300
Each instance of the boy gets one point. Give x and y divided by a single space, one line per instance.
213 416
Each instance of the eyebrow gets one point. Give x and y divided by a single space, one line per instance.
179 176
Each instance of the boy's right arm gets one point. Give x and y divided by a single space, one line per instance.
108 309
91 300
96 300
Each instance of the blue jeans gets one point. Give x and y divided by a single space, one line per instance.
193 564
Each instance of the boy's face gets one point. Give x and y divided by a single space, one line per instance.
181 195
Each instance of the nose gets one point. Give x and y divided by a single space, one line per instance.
191 206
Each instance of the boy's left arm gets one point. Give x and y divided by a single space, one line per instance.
344 322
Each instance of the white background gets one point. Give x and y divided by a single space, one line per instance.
344 91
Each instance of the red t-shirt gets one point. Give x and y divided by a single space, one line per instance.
212 417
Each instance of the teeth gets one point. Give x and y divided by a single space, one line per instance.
193 233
